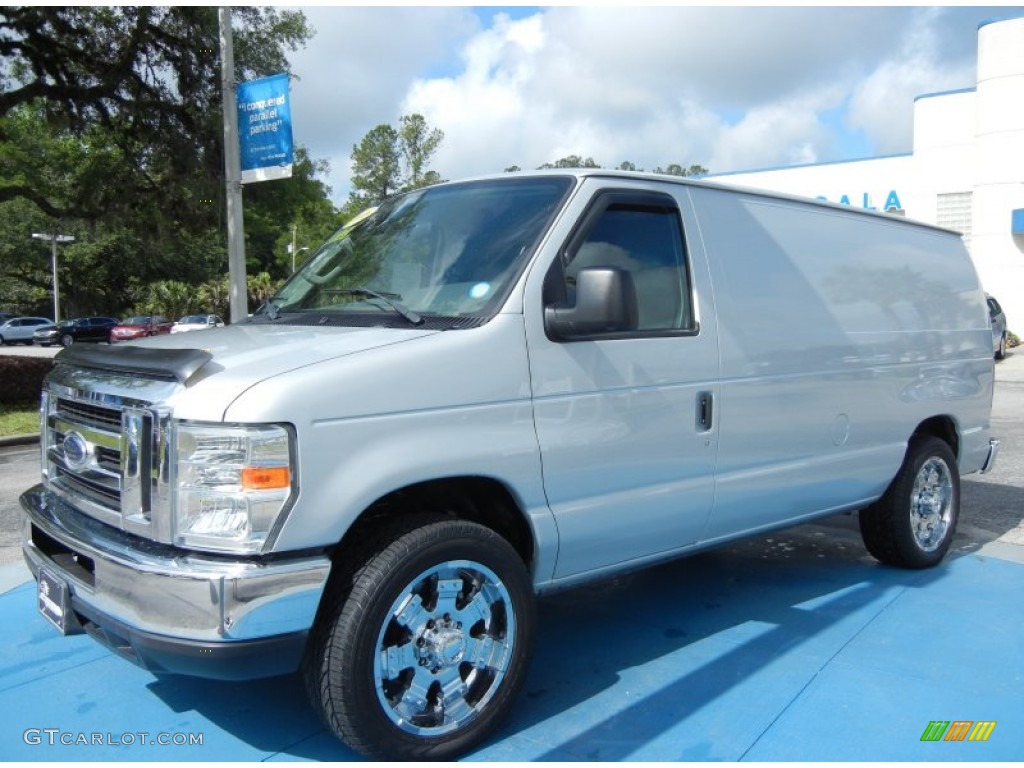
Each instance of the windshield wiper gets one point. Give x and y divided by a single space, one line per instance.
391 299
271 310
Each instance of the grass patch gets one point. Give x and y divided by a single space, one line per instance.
19 418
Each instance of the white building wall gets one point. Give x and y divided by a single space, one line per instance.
860 183
999 181
968 145
944 155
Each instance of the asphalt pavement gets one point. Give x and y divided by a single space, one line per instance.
795 646
30 350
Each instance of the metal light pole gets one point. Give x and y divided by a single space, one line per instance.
54 239
232 173
291 248
294 251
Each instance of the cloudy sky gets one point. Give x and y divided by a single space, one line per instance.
729 88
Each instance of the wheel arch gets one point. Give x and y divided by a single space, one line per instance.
478 499
943 427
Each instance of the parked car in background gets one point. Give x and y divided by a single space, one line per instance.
197 323
139 327
19 330
67 332
998 320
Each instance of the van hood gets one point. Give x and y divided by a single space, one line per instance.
248 353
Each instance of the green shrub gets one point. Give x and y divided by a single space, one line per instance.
21 378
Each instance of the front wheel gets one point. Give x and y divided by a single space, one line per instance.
913 524
427 650
67 340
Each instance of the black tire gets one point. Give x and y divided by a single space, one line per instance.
67 340
913 524
1001 352
436 601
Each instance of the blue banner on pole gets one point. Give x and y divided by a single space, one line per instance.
265 129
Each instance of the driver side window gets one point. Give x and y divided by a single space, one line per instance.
641 234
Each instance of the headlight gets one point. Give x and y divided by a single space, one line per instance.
232 483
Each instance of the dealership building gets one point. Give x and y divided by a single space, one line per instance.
966 170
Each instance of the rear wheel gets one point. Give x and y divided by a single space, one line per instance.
425 652
913 524
67 340
1001 352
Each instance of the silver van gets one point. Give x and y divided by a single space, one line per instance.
485 390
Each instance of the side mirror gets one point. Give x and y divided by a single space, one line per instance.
605 303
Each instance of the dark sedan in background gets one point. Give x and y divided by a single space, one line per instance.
67 332
998 319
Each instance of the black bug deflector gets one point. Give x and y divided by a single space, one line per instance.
178 364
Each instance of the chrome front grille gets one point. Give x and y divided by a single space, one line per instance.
106 494
99 417
82 450
108 457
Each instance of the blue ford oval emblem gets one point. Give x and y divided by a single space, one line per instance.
76 450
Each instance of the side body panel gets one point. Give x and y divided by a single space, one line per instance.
840 333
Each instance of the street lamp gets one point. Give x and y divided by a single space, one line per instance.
291 246
54 239
293 252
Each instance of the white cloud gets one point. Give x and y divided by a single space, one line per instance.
630 84
783 133
357 68
729 87
879 104
486 111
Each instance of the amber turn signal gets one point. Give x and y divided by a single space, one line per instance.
265 478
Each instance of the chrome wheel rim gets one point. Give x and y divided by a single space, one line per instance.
931 504
444 648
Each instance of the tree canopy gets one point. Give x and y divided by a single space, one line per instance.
111 131
389 160
576 161
140 83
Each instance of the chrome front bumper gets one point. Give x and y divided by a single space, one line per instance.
170 610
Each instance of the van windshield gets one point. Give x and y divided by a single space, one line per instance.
453 250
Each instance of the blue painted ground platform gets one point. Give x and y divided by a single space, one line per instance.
794 647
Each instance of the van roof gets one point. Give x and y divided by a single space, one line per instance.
585 173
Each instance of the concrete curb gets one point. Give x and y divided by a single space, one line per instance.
18 440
